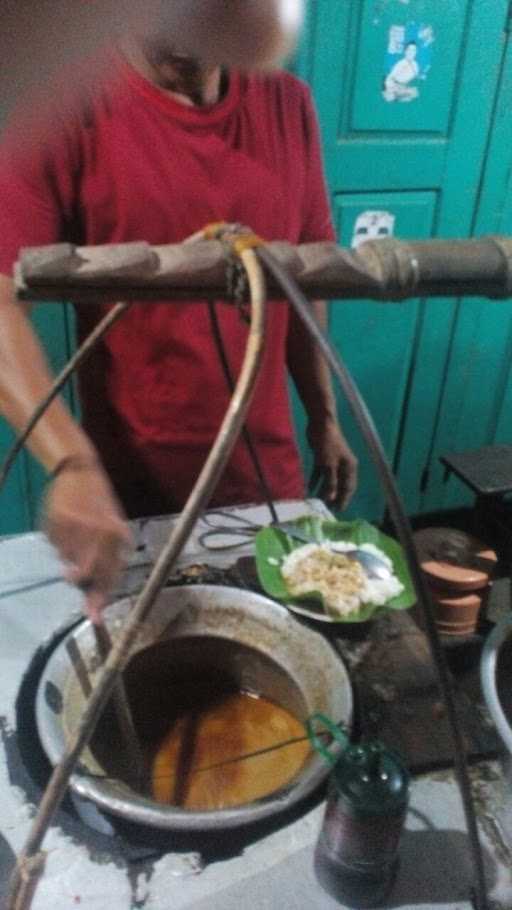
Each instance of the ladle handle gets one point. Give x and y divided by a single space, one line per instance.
337 731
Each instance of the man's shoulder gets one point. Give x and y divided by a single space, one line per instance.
64 104
278 87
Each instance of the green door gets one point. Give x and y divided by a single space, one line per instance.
405 92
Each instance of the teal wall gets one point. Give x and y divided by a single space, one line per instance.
435 374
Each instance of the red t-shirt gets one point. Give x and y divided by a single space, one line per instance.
130 163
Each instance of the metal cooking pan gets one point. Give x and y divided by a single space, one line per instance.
264 649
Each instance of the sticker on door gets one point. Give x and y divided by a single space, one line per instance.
372 226
408 61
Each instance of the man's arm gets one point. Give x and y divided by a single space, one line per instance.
335 464
82 515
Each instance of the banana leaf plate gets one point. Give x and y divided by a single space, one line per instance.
273 544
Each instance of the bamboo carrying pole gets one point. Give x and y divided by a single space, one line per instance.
381 270
30 863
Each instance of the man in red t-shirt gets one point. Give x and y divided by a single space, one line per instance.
153 151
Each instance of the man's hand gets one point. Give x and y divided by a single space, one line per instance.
85 522
82 516
335 465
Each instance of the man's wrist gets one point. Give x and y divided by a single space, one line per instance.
320 420
76 462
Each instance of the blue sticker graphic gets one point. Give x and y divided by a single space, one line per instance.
408 61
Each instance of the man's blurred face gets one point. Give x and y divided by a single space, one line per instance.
174 72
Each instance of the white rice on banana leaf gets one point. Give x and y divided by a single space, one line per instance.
343 583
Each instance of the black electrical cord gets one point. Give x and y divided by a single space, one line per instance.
396 509
247 437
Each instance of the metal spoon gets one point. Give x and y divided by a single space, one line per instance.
372 565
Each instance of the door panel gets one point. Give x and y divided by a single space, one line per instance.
410 57
370 139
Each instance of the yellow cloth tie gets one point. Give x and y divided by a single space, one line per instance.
241 241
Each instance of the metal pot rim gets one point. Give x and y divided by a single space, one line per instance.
501 632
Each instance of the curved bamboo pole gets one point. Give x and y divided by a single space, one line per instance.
30 863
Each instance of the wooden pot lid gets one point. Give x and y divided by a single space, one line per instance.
454 560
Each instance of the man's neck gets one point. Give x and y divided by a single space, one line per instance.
189 84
